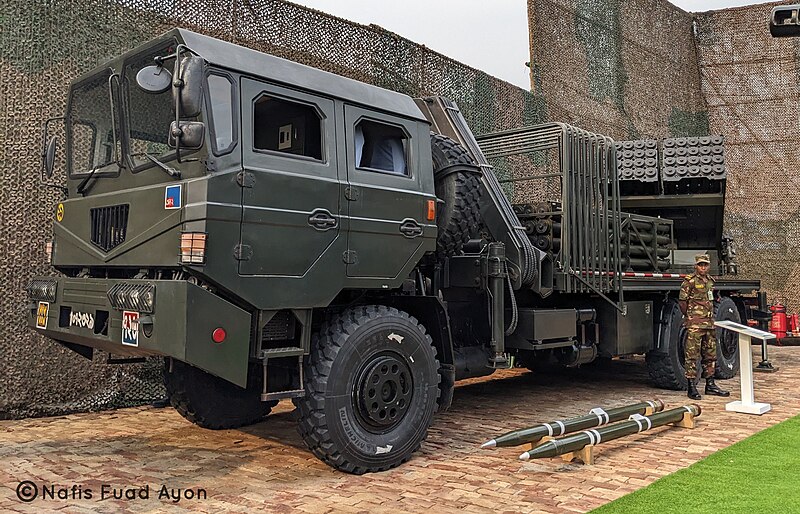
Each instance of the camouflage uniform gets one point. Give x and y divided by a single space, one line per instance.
701 338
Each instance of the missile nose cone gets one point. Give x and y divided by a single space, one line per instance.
699 410
489 444
525 456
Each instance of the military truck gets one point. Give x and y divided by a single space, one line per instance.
274 231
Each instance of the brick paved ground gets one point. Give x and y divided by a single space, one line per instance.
266 467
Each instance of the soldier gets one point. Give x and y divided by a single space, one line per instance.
696 302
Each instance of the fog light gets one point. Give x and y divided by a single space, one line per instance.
42 289
218 335
193 247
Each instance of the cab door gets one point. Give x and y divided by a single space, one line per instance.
386 205
290 186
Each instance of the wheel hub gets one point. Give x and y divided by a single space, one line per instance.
384 392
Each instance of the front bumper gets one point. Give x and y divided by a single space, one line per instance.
181 323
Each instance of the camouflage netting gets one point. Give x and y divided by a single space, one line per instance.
750 82
624 69
43 45
632 70
646 69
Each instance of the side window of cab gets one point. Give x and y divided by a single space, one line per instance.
286 127
223 102
381 147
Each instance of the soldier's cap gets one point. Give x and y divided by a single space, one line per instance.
702 257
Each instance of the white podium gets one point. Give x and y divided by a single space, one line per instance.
747 404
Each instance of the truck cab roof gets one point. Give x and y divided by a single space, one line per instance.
223 54
234 57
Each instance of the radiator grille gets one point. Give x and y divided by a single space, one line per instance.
279 328
109 225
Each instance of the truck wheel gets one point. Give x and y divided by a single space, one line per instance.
667 370
372 384
211 402
460 192
727 340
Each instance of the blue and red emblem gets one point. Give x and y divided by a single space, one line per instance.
172 197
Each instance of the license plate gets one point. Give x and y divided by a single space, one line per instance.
41 314
81 320
130 328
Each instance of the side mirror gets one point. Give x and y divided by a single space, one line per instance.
154 79
188 85
785 21
50 156
190 133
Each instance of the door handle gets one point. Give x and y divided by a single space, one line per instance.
322 220
410 228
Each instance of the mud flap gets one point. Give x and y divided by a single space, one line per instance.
206 312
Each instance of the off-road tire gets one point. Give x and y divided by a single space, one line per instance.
211 402
338 417
460 192
667 370
727 340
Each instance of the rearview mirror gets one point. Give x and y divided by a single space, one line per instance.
188 86
190 133
50 156
785 21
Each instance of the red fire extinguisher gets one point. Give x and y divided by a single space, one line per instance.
778 323
794 324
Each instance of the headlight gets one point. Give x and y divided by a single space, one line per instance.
43 289
132 297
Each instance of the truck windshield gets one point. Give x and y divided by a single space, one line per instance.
89 126
148 115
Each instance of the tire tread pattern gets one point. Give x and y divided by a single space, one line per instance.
461 193
312 424
211 402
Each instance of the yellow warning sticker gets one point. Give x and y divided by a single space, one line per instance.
41 314
60 212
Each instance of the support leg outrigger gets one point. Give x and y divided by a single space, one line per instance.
497 277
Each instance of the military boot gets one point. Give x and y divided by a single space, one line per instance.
712 388
692 391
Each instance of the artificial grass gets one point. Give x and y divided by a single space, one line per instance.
756 475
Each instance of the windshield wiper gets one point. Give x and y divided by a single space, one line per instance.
172 172
82 187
